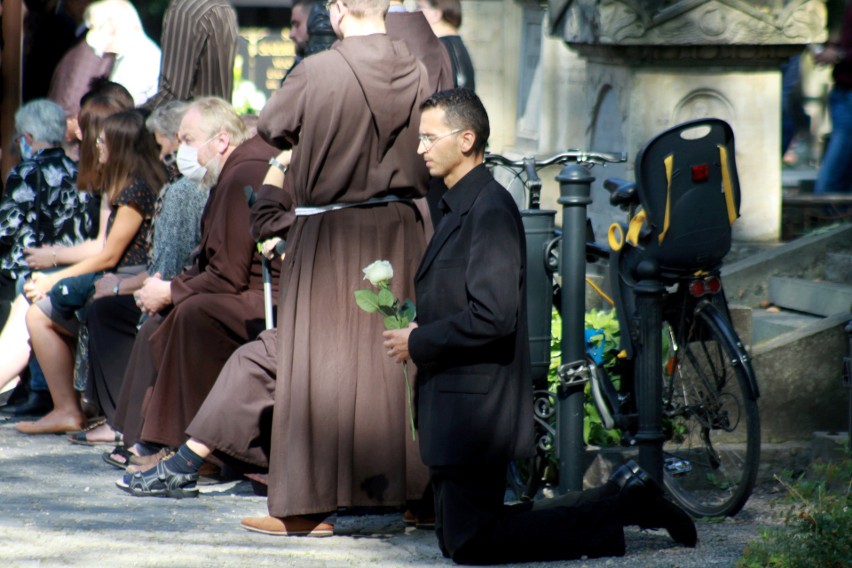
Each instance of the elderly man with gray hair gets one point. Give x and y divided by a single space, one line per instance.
42 206
203 314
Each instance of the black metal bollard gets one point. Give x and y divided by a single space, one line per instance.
649 369
575 195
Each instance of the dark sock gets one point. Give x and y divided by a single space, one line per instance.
147 449
185 461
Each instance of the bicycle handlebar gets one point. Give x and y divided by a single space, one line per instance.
569 156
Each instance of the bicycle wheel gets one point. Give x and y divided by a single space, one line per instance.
710 417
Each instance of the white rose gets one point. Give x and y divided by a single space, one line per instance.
379 271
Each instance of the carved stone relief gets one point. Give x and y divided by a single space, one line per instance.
691 22
703 103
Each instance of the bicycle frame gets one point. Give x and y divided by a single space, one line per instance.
653 286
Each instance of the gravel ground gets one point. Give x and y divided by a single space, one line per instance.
59 507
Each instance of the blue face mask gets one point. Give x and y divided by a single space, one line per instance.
25 148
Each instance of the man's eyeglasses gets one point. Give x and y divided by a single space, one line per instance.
428 140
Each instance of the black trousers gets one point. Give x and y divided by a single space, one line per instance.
473 525
112 322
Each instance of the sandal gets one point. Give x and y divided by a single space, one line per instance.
143 463
119 452
159 481
80 437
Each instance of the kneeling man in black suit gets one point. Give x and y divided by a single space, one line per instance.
474 391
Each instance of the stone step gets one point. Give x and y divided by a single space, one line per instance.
838 267
766 324
819 298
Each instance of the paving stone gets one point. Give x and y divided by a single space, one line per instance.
59 507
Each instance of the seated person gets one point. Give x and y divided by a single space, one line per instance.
42 207
128 157
113 317
201 316
244 391
103 100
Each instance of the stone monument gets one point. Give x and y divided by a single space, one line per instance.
652 64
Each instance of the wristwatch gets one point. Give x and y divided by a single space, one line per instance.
274 162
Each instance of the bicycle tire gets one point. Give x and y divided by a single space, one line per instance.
711 417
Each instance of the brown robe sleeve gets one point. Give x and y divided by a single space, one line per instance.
280 120
273 213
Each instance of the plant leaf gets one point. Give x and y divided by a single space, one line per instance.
367 300
386 298
408 311
392 322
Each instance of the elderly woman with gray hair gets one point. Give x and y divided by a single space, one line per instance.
42 207
113 317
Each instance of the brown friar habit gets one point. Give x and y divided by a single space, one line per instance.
414 30
245 389
340 436
218 306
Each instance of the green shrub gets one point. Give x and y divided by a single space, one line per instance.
816 522
604 324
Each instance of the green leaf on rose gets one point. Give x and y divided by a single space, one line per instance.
386 299
367 300
393 322
407 311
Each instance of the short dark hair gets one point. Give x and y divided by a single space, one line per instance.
463 110
101 86
451 11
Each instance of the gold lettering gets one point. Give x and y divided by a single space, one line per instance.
275 48
281 62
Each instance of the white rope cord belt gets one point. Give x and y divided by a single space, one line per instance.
316 210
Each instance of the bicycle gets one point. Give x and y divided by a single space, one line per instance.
707 391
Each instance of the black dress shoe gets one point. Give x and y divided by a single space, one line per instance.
38 403
632 478
642 504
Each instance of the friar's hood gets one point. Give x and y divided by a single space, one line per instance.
390 79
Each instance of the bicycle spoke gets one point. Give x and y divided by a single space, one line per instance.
711 456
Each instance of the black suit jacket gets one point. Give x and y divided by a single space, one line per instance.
471 347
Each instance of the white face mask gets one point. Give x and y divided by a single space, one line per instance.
187 163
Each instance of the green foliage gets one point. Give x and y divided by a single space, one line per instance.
396 315
606 323
816 517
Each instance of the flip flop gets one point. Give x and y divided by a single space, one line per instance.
80 437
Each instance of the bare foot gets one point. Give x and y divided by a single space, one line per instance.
55 422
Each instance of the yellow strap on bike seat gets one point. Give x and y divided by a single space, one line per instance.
669 163
727 186
634 230
615 235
